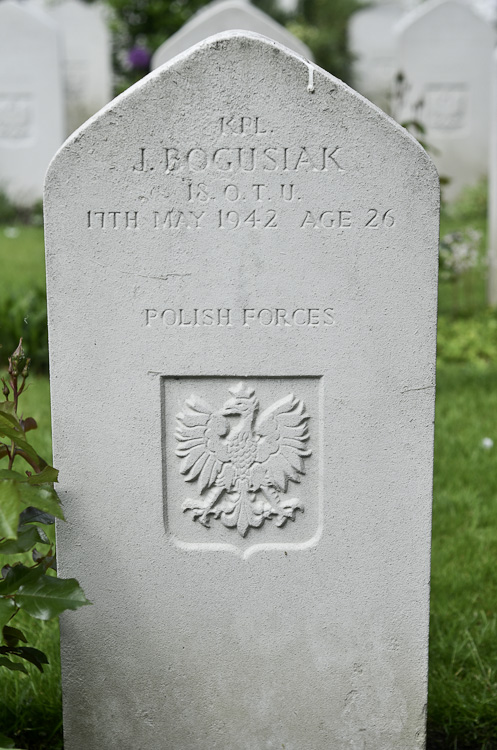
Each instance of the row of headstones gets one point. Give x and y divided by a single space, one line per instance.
432 67
55 72
440 53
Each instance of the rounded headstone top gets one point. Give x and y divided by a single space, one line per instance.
459 12
226 15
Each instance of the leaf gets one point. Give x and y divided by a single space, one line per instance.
48 597
12 636
6 742
7 609
12 665
27 538
10 507
33 515
33 655
10 474
46 475
28 424
8 420
18 575
43 497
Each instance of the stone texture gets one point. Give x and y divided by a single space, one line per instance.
87 58
241 267
445 55
225 15
31 115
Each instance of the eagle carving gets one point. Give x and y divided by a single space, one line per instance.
243 466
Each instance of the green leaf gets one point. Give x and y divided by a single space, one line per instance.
47 474
6 742
7 418
7 609
27 538
10 474
12 665
48 597
43 497
33 655
20 442
12 636
33 515
18 575
10 507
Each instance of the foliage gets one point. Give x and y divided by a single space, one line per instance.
28 508
459 252
26 314
471 340
140 27
10 213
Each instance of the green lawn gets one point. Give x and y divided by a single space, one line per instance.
22 259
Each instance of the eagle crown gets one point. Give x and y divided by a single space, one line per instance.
243 402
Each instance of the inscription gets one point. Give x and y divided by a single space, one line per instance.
243 469
241 159
248 317
16 116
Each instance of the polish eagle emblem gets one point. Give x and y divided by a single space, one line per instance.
242 466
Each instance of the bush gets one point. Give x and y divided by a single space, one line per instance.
26 316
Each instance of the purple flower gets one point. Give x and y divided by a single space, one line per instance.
139 57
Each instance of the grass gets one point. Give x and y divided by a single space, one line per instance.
22 259
462 703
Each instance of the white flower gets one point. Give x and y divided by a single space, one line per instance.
487 443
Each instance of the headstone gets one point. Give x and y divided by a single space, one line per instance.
87 58
445 58
242 305
372 43
31 115
225 15
492 194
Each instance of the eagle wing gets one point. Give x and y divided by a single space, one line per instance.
200 445
281 448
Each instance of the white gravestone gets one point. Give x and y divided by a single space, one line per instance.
372 43
242 305
492 194
31 114
225 15
445 56
87 58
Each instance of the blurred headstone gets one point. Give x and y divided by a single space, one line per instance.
87 58
492 194
242 260
31 105
225 15
444 61
372 43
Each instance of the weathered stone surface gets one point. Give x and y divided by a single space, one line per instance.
31 114
225 15
445 55
87 58
237 228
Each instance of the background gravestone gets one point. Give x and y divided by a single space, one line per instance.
87 58
31 115
372 43
242 305
492 193
445 55
224 16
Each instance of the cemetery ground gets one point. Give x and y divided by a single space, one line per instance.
462 707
